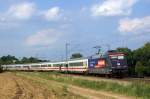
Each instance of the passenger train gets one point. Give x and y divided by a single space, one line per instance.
111 63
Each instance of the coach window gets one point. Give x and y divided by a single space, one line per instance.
18 67
35 66
56 65
63 65
66 65
76 64
85 64
60 65
80 63
49 65
43 65
25 66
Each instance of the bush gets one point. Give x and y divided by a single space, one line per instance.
1 69
148 70
140 69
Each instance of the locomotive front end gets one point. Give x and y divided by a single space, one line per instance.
118 63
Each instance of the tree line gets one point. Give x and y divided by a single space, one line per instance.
13 60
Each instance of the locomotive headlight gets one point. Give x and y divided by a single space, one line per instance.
118 64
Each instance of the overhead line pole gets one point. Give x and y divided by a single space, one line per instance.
67 51
67 44
108 47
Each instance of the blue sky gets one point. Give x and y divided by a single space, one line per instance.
41 28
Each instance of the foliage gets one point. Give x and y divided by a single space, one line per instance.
140 69
13 60
8 59
1 69
141 55
76 55
29 60
147 70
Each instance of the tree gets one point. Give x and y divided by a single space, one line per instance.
30 60
76 55
8 59
13 60
148 68
24 60
33 60
1 69
140 69
143 54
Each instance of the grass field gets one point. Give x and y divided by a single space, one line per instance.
135 89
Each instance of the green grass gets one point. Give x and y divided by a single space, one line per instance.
136 89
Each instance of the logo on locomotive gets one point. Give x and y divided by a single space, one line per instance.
97 63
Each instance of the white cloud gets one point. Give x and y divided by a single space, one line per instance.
113 8
136 25
52 14
21 11
43 38
15 14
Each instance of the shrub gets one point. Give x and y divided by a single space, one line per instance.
1 69
140 69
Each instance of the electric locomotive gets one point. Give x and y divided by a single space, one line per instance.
111 63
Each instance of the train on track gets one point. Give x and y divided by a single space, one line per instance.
110 63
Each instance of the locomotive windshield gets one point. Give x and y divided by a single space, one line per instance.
117 57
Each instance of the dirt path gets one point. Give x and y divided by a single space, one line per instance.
27 90
14 87
92 94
